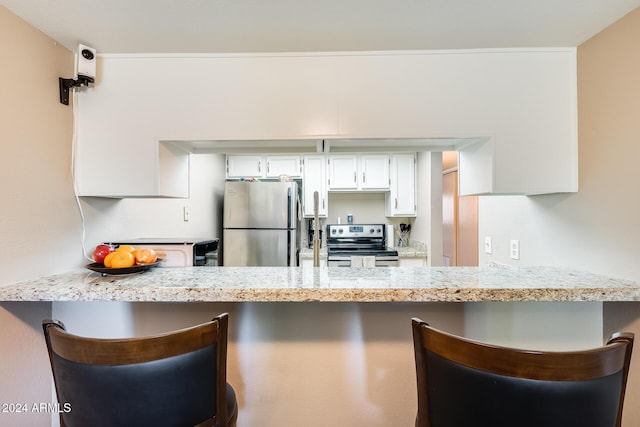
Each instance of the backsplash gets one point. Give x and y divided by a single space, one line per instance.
365 207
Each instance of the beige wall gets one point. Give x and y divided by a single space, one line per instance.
39 218
596 229
38 225
609 126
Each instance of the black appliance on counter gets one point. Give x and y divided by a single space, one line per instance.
310 234
350 245
178 252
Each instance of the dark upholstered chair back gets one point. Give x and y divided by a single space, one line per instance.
173 379
462 383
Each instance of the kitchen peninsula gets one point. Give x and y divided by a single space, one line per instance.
303 339
284 284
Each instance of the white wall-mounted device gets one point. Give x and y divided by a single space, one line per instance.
85 72
86 62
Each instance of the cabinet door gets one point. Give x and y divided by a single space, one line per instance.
284 165
401 199
315 179
412 262
374 172
245 166
343 172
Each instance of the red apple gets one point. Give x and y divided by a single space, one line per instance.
102 251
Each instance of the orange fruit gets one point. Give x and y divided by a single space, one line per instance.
145 256
108 258
121 259
126 248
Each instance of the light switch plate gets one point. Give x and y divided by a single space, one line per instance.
488 245
515 249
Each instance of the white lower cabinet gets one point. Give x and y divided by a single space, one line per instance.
401 198
308 263
420 261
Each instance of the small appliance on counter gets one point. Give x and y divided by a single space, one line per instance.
178 252
310 230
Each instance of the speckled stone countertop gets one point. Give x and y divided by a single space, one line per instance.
236 284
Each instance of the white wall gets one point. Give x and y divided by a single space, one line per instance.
115 219
597 228
427 226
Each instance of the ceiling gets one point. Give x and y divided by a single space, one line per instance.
223 26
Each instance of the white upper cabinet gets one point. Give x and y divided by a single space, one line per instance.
290 165
348 172
401 199
263 166
245 167
513 111
343 172
520 104
315 179
374 171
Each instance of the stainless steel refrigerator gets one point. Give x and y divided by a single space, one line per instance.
260 224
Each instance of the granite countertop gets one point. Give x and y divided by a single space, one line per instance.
237 284
410 251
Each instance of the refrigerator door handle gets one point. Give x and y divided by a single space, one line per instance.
289 243
289 222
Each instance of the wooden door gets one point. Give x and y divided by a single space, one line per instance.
459 219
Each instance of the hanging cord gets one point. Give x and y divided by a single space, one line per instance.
73 175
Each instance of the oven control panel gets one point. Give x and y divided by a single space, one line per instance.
355 230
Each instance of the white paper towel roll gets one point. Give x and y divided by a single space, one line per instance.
390 236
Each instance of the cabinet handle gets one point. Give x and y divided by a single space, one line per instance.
355 177
364 177
396 203
323 203
268 168
259 166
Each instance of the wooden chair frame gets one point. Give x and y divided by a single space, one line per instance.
541 365
128 351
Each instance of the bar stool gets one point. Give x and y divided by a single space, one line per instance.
173 379
465 383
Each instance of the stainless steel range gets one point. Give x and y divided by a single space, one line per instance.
356 245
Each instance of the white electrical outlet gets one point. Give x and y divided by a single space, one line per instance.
488 245
185 213
515 249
